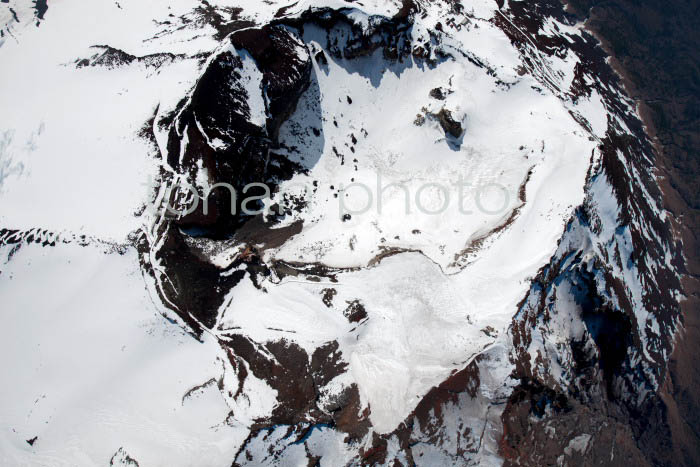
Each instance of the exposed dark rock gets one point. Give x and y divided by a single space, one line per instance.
328 295
348 415
448 124
355 312
321 58
386 34
219 110
225 20
438 93
285 367
652 44
192 281
122 459
112 58
297 378
327 363
615 370
426 423
40 9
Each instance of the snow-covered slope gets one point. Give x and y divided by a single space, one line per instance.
458 209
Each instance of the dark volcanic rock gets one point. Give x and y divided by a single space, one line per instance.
192 282
390 35
448 124
40 9
219 110
438 94
111 57
355 312
605 402
285 367
656 47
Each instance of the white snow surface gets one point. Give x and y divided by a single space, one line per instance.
90 366
428 308
69 136
71 160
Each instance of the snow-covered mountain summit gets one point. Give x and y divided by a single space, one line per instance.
330 232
